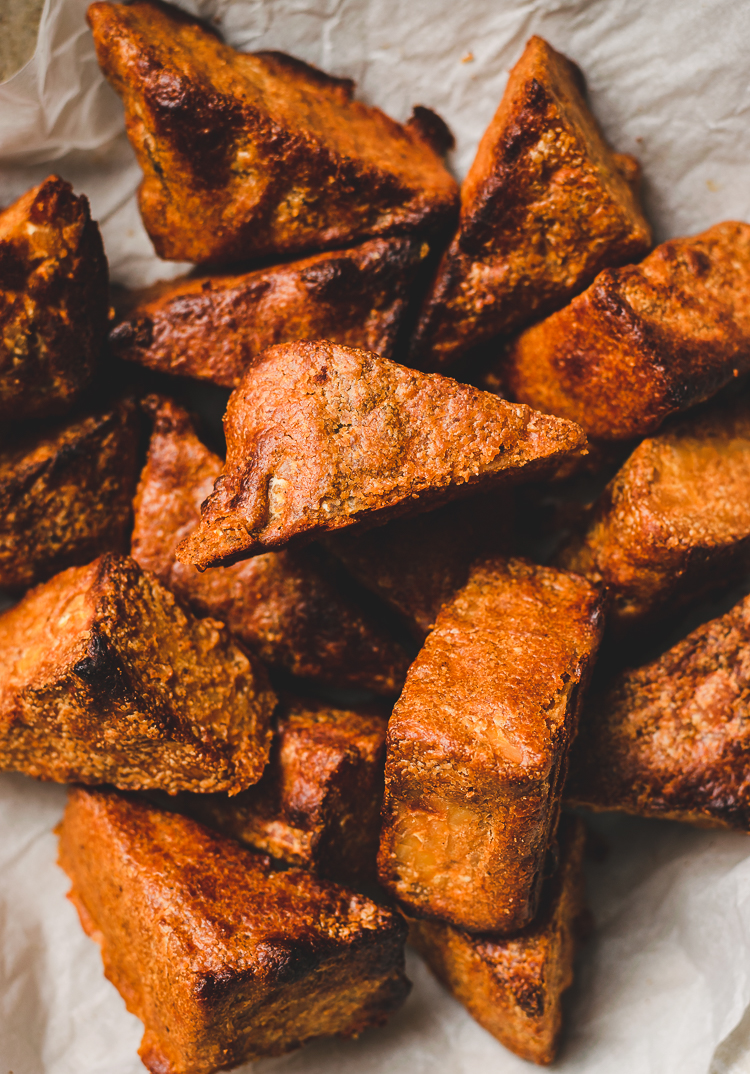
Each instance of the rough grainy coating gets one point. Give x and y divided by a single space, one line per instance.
545 206
321 436
105 679
672 739
674 522
221 958
514 987
644 341
478 743
65 495
417 564
54 300
318 803
257 155
284 605
212 327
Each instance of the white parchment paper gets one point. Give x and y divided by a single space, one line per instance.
664 986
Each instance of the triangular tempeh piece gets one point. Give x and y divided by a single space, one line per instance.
321 436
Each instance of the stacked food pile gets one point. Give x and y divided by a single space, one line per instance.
247 843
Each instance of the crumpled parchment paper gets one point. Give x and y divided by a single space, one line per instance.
664 985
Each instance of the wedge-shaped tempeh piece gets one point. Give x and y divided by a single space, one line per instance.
54 300
65 494
221 958
318 803
672 739
105 679
285 605
416 564
514 986
478 742
211 327
674 522
644 341
321 436
250 155
544 208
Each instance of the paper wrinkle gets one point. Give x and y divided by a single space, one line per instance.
664 985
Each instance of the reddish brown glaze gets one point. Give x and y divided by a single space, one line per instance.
221 958
321 436
54 296
674 523
644 341
285 605
105 679
545 207
514 987
65 495
250 155
478 744
318 803
212 327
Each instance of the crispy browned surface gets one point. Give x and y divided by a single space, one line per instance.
318 803
674 523
212 327
644 341
222 959
478 742
514 987
54 297
672 738
545 206
417 564
65 495
321 436
283 604
255 155
105 679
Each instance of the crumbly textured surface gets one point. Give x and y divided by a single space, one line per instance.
105 679
65 495
321 436
212 327
478 744
54 300
544 208
644 341
416 564
222 959
318 803
674 522
672 739
269 155
514 986
285 605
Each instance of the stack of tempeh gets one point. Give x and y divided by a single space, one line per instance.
188 654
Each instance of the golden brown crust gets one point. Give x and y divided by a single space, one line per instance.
212 327
270 155
544 208
222 959
54 300
674 523
65 495
644 341
105 679
514 987
318 803
477 745
284 605
321 436
416 564
672 739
